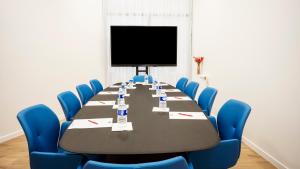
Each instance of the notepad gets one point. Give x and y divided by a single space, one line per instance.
116 106
187 115
158 109
91 123
100 103
108 93
171 90
122 127
179 98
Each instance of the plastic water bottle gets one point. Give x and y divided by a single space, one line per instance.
146 79
122 114
130 83
158 89
163 100
121 99
123 86
154 85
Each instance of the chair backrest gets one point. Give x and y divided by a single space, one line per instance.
181 84
232 118
41 127
206 99
141 78
69 103
96 86
173 163
85 93
191 89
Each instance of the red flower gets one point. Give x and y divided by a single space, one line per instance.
198 59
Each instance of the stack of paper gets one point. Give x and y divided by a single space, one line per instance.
100 103
116 106
187 115
122 127
171 90
179 98
108 93
91 123
158 109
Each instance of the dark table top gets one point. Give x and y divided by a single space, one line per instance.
153 132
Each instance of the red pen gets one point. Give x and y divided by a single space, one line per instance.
92 122
101 102
178 97
185 114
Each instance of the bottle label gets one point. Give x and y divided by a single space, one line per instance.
162 98
121 96
122 112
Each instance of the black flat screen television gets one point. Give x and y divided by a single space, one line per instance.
143 45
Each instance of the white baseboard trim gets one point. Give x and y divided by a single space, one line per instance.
11 135
264 154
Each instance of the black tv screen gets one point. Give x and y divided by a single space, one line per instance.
143 45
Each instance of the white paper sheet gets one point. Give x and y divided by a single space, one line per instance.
158 109
116 106
164 84
151 89
91 123
154 95
130 87
108 93
115 86
171 90
187 115
139 82
179 98
122 127
101 103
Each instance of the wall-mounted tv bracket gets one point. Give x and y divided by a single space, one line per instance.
137 70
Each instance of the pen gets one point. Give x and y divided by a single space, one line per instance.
185 114
178 97
102 102
92 122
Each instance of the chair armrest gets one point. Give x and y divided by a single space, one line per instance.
224 155
46 160
213 121
63 128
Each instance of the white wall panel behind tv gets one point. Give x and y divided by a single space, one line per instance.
151 13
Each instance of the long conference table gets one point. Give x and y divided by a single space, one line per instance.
153 132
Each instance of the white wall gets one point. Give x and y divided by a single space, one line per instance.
46 47
252 50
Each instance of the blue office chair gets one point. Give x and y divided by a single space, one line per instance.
173 163
69 103
230 123
96 86
191 89
42 130
181 84
141 78
206 99
85 93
